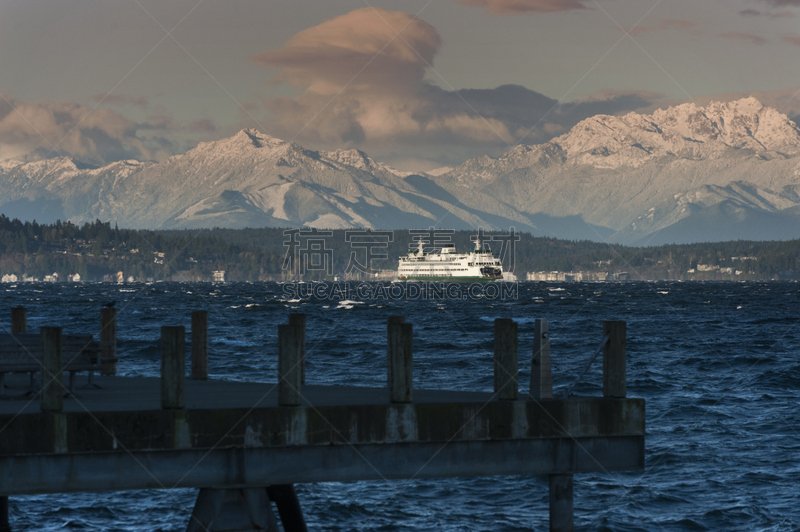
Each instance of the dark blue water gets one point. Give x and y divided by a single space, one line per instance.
719 365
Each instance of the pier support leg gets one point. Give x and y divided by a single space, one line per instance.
561 506
4 526
285 498
229 510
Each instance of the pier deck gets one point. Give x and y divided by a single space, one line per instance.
235 434
234 439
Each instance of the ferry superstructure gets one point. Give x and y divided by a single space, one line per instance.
447 265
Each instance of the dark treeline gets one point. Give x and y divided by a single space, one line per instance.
96 250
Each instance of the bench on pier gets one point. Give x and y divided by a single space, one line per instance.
22 353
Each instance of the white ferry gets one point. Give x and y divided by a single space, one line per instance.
447 265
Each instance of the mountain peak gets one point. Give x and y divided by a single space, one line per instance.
683 131
353 157
256 138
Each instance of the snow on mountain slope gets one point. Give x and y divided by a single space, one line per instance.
616 171
610 177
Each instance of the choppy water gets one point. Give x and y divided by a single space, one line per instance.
719 365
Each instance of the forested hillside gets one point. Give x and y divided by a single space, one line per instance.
97 250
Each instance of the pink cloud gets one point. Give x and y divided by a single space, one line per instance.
361 85
746 36
53 128
370 44
635 31
521 7
791 39
676 23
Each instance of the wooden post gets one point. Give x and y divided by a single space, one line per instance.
561 504
400 373
505 359
173 367
52 385
614 359
200 345
300 321
108 340
19 320
289 340
541 370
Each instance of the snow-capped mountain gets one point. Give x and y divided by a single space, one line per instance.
248 180
638 174
687 173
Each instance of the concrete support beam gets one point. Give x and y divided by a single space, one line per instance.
262 466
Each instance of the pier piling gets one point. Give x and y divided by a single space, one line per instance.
108 340
52 385
200 345
541 372
290 338
19 320
232 510
173 367
285 498
300 321
400 372
505 359
561 503
4 526
614 359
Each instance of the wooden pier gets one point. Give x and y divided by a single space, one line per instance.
246 444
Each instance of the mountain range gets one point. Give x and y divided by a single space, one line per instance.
725 171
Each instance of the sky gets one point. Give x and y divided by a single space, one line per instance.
418 84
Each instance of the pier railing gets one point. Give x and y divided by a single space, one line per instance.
246 444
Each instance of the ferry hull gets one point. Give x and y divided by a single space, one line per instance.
442 279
